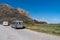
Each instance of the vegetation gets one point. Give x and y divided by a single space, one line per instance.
46 28
40 22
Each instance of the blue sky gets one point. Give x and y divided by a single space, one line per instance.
41 10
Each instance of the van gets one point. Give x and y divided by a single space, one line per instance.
5 23
17 24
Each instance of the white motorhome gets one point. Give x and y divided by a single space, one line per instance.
17 24
5 23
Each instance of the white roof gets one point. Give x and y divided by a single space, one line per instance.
17 21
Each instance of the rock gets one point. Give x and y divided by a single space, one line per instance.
23 12
9 13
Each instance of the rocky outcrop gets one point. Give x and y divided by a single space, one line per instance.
9 13
23 12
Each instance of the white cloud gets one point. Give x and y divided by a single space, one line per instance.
51 20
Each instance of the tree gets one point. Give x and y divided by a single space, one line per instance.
40 22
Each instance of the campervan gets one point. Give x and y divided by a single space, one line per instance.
5 23
17 24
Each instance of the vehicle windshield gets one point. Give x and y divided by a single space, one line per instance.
17 23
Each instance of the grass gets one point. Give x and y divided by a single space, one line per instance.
46 28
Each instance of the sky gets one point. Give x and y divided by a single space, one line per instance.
41 10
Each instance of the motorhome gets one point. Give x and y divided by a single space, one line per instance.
17 24
5 23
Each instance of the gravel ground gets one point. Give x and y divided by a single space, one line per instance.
8 33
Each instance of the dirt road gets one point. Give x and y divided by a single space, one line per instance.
8 33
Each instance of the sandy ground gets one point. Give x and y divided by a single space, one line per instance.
8 33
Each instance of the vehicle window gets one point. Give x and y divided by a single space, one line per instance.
19 23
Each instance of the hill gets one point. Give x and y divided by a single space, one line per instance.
9 13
